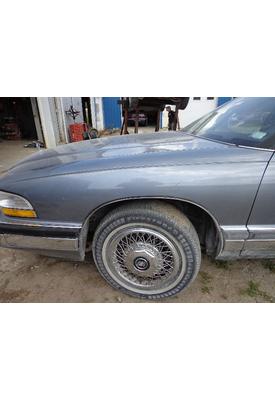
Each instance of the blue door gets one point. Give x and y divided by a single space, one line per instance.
111 112
222 100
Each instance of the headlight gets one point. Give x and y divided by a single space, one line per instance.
13 205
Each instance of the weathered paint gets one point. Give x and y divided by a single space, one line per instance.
222 100
111 112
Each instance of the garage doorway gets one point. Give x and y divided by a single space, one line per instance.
19 119
147 120
152 117
86 110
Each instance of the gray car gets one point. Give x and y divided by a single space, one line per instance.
146 206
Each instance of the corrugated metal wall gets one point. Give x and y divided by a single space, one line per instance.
222 100
111 112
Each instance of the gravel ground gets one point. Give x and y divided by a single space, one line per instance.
27 277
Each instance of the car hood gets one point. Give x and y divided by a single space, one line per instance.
142 150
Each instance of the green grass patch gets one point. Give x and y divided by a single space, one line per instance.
269 264
206 289
253 290
205 277
222 264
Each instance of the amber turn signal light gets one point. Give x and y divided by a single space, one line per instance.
13 212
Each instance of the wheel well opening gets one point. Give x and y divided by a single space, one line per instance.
204 224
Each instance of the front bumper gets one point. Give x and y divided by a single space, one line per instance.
58 240
38 242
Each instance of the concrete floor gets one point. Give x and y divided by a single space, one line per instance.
131 130
27 277
143 129
12 151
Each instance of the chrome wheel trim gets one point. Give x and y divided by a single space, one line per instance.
144 258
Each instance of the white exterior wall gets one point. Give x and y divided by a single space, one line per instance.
47 121
52 118
194 110
63 130
77 105
58 120
97 113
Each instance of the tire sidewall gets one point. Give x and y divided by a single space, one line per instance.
181 235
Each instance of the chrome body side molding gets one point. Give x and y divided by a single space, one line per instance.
261 242
253 241
231 250
38 224
234 238
238 241
259 248
261 232
38 242
44 237
235 232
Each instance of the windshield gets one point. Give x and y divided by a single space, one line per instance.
246 121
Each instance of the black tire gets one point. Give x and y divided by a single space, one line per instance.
163 219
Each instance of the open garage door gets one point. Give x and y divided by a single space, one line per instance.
19 119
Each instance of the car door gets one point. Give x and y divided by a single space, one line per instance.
261 223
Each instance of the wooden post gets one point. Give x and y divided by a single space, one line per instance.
136 120
125 131
175 123
158 121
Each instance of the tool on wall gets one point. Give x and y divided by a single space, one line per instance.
80 131
72 112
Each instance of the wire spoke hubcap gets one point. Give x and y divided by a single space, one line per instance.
143 258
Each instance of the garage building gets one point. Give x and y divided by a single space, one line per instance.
47 119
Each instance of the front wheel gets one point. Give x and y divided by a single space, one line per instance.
147 249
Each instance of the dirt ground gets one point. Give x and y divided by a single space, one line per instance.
27 277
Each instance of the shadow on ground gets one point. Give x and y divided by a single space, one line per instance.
26 277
